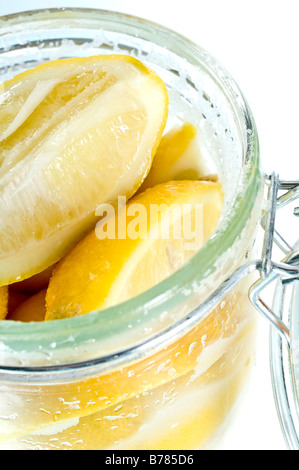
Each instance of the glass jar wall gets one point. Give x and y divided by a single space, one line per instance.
142 374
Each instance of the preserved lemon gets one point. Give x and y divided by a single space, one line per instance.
99 273
178 158
74 133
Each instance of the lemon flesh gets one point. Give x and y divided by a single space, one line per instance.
178 157
99 273
74 133
3 302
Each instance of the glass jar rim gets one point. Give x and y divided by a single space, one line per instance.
29 336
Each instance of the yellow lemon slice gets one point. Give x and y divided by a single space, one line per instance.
101 271
178 158
73 133
3 302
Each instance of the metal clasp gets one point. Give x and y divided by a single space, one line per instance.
288 268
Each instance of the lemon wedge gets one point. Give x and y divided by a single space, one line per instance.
3 302
74 133
178 157
100 272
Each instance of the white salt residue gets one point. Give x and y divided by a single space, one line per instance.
71 405
203 340
118 408
175 413
163 366
121 416
214 352
11 417
191 347
209 356
56 428
113 418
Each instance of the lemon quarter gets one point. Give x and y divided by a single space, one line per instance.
74 133
178 157
100 272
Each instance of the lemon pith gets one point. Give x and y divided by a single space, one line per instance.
178 157
73 133
100 273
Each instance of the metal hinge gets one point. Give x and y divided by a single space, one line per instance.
280 194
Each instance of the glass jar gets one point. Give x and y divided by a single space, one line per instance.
163 370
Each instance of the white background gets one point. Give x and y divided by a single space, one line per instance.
257 41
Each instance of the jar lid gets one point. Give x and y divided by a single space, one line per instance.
283 315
